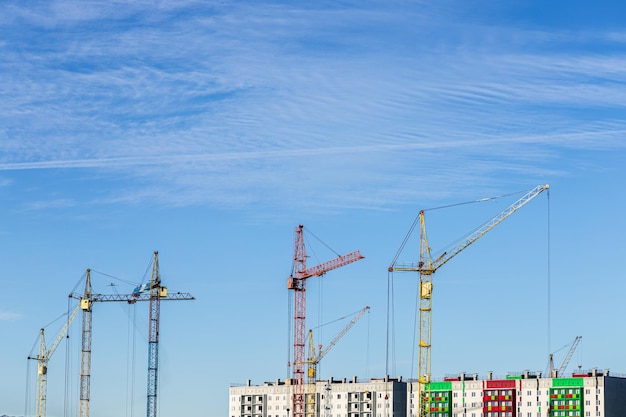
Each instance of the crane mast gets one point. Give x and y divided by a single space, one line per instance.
297 283
153 293
85 356
153 336
427 268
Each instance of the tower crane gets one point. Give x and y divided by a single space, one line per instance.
154 293
427 267
42 361
297 283
315 357
567 358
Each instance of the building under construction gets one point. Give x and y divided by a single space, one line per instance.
581 394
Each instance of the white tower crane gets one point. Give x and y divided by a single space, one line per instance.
568 357
316 357
44 357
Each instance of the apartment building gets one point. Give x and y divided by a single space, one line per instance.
583 394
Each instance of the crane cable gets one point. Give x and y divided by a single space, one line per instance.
289 332
320 309
114 277
480 200
66 390
410 232
415 325
338 319
130 359
391 337
82 279
322 242
27 403
367 353
549 284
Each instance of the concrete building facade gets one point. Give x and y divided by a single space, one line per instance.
384 397
583 394
589 394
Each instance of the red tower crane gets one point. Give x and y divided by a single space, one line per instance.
297 283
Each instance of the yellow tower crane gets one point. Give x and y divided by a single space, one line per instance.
427 267
315 358
42 359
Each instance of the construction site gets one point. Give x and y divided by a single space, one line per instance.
554 392
527 394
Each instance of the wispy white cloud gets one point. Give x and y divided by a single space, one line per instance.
230 103
50 204
601 136
9 316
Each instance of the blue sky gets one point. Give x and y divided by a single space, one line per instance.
209 130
